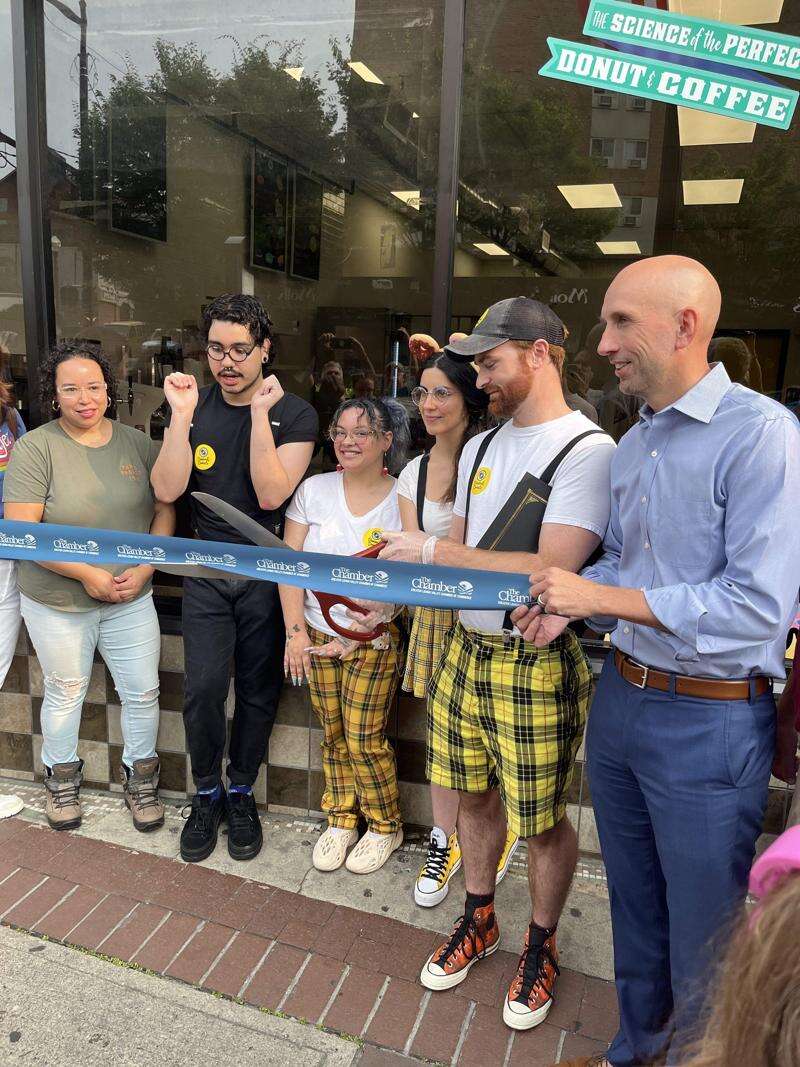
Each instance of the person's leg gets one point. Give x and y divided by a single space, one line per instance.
10 618
208 642
637 891
257 677
339 800
552 856
707 804
130 644
444 803
64 642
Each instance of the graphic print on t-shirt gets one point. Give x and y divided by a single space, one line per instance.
204 457
6 445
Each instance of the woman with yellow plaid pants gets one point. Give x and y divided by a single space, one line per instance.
352 683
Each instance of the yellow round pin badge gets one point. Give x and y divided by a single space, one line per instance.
482 478
372 537
204 457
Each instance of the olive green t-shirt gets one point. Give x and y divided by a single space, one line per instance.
106 487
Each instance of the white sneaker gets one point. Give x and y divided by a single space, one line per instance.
372 851
331 849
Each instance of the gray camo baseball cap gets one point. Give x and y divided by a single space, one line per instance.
516 319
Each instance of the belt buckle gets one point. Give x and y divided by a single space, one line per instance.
645 671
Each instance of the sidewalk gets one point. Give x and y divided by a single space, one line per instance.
347 970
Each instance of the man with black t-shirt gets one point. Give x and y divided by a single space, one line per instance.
242 439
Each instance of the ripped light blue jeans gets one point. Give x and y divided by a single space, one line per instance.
127 636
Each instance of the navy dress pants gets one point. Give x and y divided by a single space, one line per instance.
679 787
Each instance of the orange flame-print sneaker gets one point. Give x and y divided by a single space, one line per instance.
473 938
530 997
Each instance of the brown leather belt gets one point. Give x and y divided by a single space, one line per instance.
705 688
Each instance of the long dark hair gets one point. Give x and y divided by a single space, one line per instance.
74 350
383 416
8 413
464 377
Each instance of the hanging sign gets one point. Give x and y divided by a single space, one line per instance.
739 46
709 81
671 83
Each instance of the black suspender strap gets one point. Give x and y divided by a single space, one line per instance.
422 482
482 448
547 474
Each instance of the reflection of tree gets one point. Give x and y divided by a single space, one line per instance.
759 237
519 138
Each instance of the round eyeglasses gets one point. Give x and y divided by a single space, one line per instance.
440 394
238 353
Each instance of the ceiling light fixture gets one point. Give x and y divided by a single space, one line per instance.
410 197
363 71
490 249
701 128
619 248
744 12
294 72
590 196
713 191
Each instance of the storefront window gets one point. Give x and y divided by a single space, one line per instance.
12 325
563 184
286 151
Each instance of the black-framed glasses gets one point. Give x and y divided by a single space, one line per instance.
440 394
238 353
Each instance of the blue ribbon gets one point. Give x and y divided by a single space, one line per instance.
372 579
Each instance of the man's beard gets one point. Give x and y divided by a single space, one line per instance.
505 402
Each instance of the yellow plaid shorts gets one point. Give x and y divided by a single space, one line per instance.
503 713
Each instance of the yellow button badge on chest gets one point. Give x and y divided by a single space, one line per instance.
372 537
481 480
204 457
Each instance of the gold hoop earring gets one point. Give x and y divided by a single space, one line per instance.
54 404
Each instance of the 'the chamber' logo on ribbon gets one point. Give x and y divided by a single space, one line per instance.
84 548
378 580
459 590
225 560
279 567
142 555
513 596
28 541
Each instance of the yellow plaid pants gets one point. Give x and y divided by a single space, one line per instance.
351 699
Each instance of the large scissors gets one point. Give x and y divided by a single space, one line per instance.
256 533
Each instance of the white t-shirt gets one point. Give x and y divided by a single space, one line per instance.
581 490
320 504
436 517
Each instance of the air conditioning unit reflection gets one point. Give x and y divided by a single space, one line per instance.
604 100
637 163
638 103
630 220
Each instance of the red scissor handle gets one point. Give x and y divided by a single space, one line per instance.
329 600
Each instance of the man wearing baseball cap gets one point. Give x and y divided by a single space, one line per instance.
505 720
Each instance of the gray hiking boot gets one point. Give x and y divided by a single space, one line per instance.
141 793
62 803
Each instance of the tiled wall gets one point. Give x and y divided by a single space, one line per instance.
292 780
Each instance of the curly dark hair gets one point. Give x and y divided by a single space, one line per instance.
384 416
63 351
243 310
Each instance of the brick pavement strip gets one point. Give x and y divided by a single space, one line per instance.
397 1014
167 916
232 971
99 923
354 1001
314 989
192 962
131 935
69 913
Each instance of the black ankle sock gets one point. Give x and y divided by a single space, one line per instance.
477 900
537 935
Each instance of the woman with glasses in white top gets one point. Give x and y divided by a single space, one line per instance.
453 410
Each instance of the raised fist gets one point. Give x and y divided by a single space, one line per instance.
267 396
181 393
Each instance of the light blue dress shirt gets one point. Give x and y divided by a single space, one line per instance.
705 520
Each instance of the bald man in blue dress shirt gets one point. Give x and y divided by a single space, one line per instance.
698 582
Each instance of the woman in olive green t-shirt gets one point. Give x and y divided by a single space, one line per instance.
86 469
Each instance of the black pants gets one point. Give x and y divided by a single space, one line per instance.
224 620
